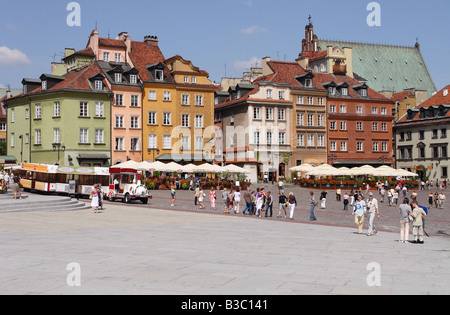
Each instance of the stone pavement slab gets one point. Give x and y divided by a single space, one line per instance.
139 250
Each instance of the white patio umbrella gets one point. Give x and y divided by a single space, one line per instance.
190 168
363 170
405 173
385 171
128 164
235 169
172 167
152 166
303 168
324 170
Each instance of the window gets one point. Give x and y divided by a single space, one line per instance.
269 113
359 147
408 136
384 146
84 109
344 91
133 79
193 80
343 125
134 122
359 109
152 95
27 138
364 92
119 100
119 122
199 121
27 113
443 133
332 108
99 133
198 100
333 125
99 110
199 143
185 120
13 115
56 109
343 109
98 85
167 142
374 126
384 126
310 100
375 147
84 135
106 56
186 79
311 141
56 135
256 137
167 119
13 139
38 113
117 57
281 95
44 85
2 126
269 135
320 120
320 101
159 75
37 137
300 100
134 101
119 144
321 141
167 96
256 113
333 146
310 119
282 138
300 140
300 119
186 143
359 126
152 142
383 111
343 146
308 83
269 93
421 134
135 145
332 91
152 118
282 114
184 99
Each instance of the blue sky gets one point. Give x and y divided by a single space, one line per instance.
219 36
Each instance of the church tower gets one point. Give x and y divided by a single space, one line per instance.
309 44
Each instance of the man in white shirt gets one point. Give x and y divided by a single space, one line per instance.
372 209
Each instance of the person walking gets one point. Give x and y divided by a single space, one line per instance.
372 207
259 202
16 187
418 214
173 194
237 199
282 200
323 199
248 202
212 198
200 198
338 194
436 199
405 210
441 200
346 198
226 201
269 204
430 199
94 198
312 206
359 210
292 205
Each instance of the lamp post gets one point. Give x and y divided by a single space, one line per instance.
58 147
21 148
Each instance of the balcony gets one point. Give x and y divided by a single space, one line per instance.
340 69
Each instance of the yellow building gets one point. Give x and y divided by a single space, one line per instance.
178 106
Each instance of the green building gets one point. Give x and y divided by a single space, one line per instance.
62 119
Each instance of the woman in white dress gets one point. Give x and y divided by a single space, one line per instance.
94 198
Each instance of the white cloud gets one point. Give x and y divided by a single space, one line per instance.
13 57
245 65
253 30
2 86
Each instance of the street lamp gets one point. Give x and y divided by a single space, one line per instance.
21 148
58 147
149 150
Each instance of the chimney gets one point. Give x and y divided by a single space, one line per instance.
348 53
151 40
8 93
265 67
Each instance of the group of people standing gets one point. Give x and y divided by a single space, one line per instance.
96 197
9 180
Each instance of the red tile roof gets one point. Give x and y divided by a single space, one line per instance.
401 96
143 55
111 42
438 99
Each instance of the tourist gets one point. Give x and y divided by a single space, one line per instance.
196 190
230 198
248 202
237 199
16 187
292 203
212 198
352 198
200 198
382 193
94 198
418 214
441 200
359 210
323 199
430 199
346 202
100 197
405 210
338 194
395 197
312 206
226 201
282 200
173 194
414 196
269 204
259 202
372 209
436 199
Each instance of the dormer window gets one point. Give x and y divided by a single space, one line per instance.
308 83
344 91
332 90
133 79
363 92
306 80
44 85
269 93
159 75
118 77
98 85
